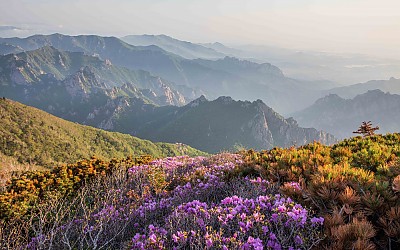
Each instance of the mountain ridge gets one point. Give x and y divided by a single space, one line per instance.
204 78
184 49
340 116
391 85
216 125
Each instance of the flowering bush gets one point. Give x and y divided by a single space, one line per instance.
213 213
174 203
271 222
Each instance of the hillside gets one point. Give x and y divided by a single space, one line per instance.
340 116
33 136
242 68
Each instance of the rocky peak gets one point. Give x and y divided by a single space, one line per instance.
328 99
271 69
20 71
82 83
225 100
265 68
197 101
260 131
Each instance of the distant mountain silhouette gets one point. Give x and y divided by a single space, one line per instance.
182 48
392 85
340 116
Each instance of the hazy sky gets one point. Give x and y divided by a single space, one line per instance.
361 26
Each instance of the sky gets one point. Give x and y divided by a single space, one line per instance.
341 26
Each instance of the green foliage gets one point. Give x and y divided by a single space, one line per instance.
30 135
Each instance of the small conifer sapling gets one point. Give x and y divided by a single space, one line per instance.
366 129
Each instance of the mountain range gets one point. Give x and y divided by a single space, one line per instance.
392 85
328 70
340 116
211 126
30 76
199 76
91 91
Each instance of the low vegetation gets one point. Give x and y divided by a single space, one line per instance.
345 196
354 185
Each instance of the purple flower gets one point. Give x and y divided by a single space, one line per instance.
316 221
175 238
209 242
295 185
265 229
256 243
153 238
298 240
272 236
274 217
281 208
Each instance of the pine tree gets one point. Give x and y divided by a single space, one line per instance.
366 129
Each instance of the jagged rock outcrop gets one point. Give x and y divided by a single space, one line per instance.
82 83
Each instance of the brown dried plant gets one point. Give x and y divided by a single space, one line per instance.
391 222
354 235
349 196
396 184
372 203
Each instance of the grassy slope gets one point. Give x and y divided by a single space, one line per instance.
31 135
